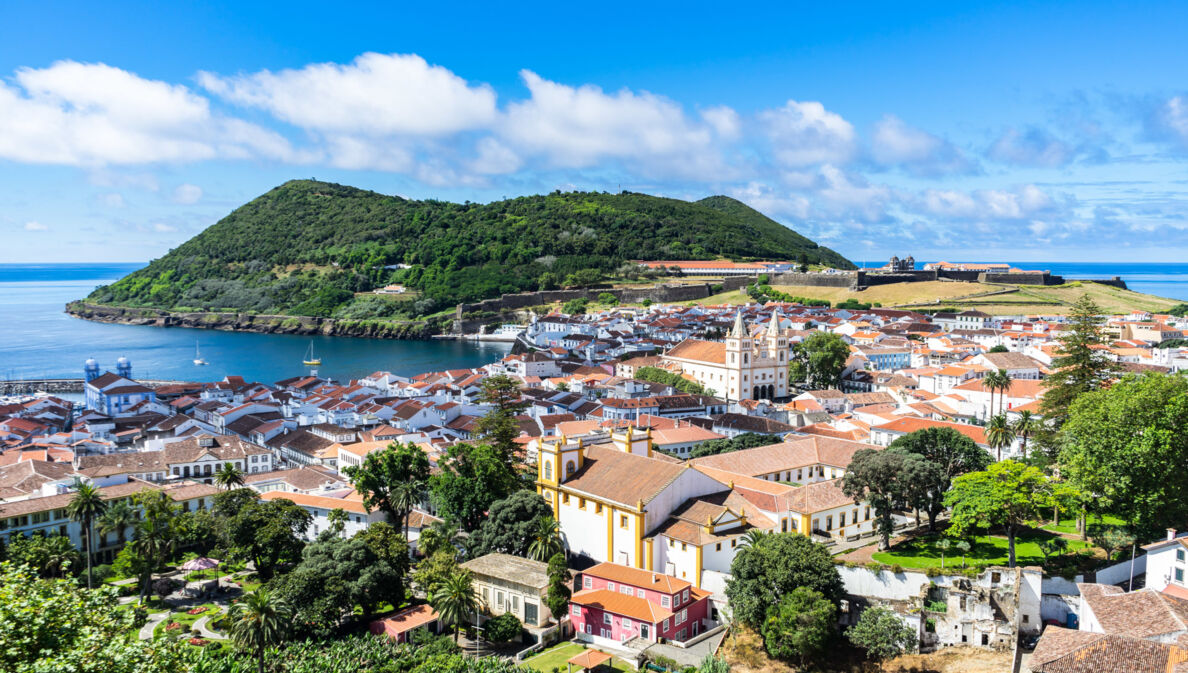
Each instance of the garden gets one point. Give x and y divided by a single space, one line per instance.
554 659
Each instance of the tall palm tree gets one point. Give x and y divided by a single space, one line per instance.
999 434
454 600
1025 425
86 506
152 542
1004 387
119 517
259 621
405 496
546 540
228 476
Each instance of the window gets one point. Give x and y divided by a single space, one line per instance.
680 635
1180 555
684 547
498 599
625 590
664 626
829 522
671 542
565 498
783 525
622 521
665 601
680 618
610 586
1179 575
684 595
841 520
867 515
587 582
486 595
548 471
589 628
639 593
626 623
515 602
606 618
606 633
718 547
598 508
581 503
575 610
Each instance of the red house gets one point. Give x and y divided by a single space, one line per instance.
615 603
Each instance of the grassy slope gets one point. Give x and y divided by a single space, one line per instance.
1020 300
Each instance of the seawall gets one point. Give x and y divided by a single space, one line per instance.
30 386
250 322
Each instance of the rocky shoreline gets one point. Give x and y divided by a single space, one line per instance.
249 322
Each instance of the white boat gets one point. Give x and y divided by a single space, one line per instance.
198 356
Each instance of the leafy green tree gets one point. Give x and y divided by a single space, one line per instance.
267 533
433 571
876 477
87 505
1112 539
257 622
607 299
392 480
952 451
52 625
922 484
1126 445
583 278
775 565
747 440
684 385
473 477
511 525
1006 494
228 476
386 543
1053 546
575 306
999 349
800 626
819 360
558 595
882 634
504 628
454 600
337 518
1081 364
999 434
546 539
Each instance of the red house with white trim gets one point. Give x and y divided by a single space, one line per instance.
615 603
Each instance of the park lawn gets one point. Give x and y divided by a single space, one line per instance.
1069 526
557 655
922 552
187 620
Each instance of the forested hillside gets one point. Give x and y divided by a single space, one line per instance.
307 247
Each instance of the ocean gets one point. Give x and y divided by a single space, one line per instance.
39 340
1164 280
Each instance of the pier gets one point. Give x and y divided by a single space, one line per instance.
30 386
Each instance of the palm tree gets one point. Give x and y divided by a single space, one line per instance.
405 496
119 517
60 554
1025 425
546 541
86 506
228 476
454 600
999 434
752 537
990 383
1004 386
151 543
259 621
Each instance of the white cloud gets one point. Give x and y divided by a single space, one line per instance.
376 95
187 194
895 143
1168 120
161 227
95 115
987 204
112 200
35 226
724 120
495 158
1034 147
805 134
580 127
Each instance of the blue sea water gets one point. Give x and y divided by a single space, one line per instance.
37 339
1164 280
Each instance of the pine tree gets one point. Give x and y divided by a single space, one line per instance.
1080 365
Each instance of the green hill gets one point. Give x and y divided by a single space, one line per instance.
307 247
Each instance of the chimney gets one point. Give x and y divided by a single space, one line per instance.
1171 534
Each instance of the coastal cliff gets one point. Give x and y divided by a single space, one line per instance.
257 323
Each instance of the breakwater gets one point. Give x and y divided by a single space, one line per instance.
53 386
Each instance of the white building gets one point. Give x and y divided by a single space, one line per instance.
744 367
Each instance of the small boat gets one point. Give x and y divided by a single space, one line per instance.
310 360
198 356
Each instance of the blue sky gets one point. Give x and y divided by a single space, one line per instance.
1008 132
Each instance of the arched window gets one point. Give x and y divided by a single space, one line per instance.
548 470
570 468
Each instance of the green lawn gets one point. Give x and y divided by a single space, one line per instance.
557 655
186 620
1069 525
922 552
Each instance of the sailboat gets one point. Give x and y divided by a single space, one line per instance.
198 356
310 360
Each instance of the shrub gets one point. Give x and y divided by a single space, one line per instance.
932 571
896 568
102 572
874 567
503 628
